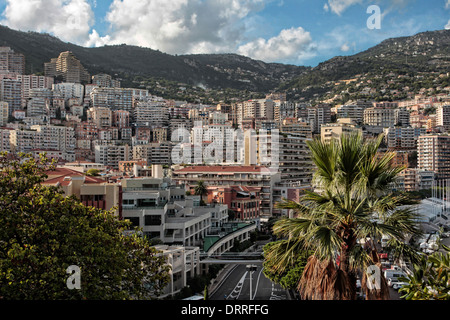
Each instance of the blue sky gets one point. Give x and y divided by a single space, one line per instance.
299 32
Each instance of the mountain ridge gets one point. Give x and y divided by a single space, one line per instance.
427 52
240 73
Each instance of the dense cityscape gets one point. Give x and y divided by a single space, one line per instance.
139 161
202 182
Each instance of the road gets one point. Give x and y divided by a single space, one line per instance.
236 286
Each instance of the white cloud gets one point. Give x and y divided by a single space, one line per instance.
95 40
290 45
69 20
180 26
339 6
447 4
326 7
448 25
345 47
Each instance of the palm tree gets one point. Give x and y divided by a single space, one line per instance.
200 190
351 202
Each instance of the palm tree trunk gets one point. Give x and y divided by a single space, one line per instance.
349 243
344 265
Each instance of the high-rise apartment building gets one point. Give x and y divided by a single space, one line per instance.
11 92
351 111
33 82
402 117
401 138
102 117
105 81
11 62
110 154
443 117
39 102
318 116
380 117
113 98
434 154
4 113
151 114
68 67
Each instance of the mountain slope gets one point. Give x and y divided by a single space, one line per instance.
425 52
213 71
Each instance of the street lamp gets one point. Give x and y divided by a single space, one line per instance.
251 268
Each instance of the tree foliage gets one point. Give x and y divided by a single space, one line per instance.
352 202
430 279
42 233
287 275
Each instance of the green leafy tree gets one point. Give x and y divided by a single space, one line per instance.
352 202
430 279
42 233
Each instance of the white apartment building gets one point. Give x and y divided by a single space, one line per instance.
162 211
39 102
69 91
318 116
380 117
151 114
113 98
283 110
154 152
32 82
184 264
354 112
403 138
402 117
218 118
434 155
110 154
24 140
11 92
56 138
443 117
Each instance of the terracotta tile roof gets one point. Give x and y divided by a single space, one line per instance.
60 174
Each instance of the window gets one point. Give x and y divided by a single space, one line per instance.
134 220
152 220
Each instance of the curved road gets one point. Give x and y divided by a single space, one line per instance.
236 286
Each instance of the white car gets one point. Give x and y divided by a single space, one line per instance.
392 281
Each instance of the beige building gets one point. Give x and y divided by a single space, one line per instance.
102 117
336 130
92 191
380 117
68 67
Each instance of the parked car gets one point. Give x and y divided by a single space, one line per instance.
392 281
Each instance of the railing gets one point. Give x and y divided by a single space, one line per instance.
143 208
